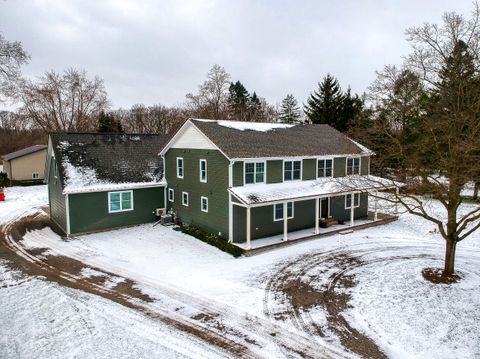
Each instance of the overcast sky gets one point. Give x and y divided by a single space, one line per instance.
152 51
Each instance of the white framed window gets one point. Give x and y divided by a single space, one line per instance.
204 204
353 166
121 201
180 167
348 200
278 211
185 199
292 170
254 172
35 175
171 195
324 168
203 171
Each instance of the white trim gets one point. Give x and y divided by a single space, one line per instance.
183 199
121 206
121 187
292 158
230 218
67 207
352 200
301 170
200 170
183 167
254 172
324 159
288 217
201 204
172 191
359 165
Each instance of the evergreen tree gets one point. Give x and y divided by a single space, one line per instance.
351 108
238 101
254 108
107 123
325 105
289 110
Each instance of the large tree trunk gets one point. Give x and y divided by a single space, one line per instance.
451 246
475 190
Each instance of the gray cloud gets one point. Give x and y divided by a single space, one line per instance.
156 51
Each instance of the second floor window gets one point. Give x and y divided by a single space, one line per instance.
353 166
325 168
292 170
254 172
179 167
203 170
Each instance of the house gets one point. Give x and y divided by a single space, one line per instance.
244 180
99 181
26 164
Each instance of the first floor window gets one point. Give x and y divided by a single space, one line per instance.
171 194
204 204
254 172
185 198
353 166
325 168
278 211
35 175
120 201
348 200
292 170
203 170
179 167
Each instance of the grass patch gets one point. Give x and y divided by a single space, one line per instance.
213 240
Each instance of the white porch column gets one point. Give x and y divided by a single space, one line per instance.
317 214
230 218
352 208
375 214
285 222
248 228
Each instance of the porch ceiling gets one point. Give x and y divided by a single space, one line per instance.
256 194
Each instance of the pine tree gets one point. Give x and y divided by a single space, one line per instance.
325 105
254 108
238 101
289 110
107 123
351 108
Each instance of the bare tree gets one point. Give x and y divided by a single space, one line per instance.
211 100
442 152
64 102
12 57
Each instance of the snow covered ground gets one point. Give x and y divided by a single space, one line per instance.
391 303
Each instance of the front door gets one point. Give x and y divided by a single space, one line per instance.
324 207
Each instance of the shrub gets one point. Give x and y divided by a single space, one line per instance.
213 240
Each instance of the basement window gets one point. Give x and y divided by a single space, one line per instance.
120 201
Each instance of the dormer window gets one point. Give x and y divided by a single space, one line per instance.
324 168
292 170
353 166
254 172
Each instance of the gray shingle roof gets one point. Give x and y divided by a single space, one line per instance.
114 158
23 152
298 140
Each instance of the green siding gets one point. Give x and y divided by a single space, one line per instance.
56 199
365 165
274 171
309 167
238 173
89 211
339 166
216 220
263 225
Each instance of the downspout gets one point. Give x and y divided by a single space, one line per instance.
164 187
67 210
230 205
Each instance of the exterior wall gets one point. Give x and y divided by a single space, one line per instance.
275 171
263 225
21 168
339 166
215 189
89 211
365 166
56 199
309 168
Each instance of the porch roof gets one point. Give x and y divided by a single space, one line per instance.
297 190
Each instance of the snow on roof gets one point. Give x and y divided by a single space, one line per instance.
291 190
249 126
